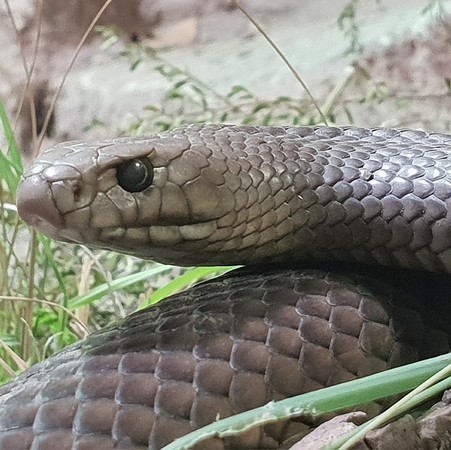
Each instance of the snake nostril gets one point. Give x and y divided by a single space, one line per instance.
77 193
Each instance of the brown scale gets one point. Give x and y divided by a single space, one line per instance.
220 194
218 349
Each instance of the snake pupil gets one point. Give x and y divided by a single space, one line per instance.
135 175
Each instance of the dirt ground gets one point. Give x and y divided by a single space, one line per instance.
402 71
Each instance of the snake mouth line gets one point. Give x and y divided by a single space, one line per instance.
160 235
63 235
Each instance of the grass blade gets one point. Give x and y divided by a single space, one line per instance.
187 279
11 167
330 399
120 283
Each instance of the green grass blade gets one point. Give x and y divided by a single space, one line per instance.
9 173
7 129
187 279
50 261
11 167
430 388
330 399
120 283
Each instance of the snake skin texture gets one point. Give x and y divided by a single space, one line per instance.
243 195
220 348
261 196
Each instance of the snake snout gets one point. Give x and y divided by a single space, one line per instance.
36 206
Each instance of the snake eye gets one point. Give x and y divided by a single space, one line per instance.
135 175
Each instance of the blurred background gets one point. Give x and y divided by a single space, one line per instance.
153 64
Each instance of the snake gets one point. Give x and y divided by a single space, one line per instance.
345 235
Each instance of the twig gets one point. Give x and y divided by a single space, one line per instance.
282 56
67 71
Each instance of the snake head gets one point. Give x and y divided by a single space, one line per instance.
178 197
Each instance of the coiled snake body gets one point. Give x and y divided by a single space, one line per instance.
282 200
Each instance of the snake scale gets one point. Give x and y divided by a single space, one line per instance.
346 234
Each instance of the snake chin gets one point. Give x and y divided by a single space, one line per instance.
69 236
54 232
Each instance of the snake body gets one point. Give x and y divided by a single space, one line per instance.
266 197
